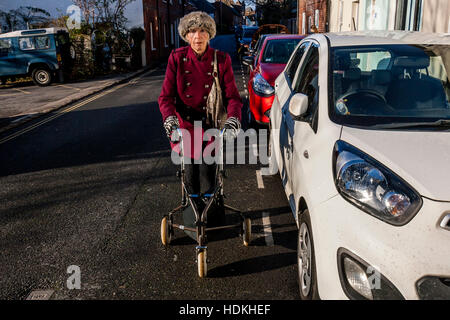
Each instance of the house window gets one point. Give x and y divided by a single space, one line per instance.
304 23
409 15
151 36
316 18
171 34
165 35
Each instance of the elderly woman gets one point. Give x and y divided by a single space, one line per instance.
187 84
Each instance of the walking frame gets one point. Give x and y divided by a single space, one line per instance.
201 227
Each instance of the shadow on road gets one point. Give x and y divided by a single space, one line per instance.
254 265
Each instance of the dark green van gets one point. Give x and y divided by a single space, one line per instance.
43 54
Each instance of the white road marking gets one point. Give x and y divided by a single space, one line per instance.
68 87
267 229
259 179
22 118
23 91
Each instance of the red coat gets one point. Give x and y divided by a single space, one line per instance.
188 82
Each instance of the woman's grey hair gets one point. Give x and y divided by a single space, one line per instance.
197 20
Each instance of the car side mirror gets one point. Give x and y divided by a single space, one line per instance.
248 60
298 105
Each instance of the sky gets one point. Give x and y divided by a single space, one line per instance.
134 11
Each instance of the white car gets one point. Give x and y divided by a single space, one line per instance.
360 134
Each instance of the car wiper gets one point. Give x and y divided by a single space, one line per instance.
442 123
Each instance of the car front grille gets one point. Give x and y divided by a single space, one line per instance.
433 288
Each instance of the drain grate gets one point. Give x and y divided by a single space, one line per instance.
40 295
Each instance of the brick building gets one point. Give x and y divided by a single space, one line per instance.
312 13
161 20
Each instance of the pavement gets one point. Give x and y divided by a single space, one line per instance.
22 102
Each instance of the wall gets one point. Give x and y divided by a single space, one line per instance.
312 12
435 17
377 14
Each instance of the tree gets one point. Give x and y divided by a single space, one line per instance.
24 17
113 11
104 12
32 15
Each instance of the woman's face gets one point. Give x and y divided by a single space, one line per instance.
198 40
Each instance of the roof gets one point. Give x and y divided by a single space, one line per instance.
359 38
31 32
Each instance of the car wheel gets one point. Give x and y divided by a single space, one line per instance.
42 77
307 277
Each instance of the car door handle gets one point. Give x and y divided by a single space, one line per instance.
306 154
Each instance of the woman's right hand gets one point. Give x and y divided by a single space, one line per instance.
170 125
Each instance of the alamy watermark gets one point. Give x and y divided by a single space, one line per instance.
74 281
219 149
74 20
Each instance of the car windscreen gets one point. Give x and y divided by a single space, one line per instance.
279 50
248 33
389 84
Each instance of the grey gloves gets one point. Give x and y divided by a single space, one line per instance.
231 128
170 125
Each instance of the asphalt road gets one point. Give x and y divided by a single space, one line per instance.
88 187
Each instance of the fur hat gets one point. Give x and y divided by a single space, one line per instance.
194 20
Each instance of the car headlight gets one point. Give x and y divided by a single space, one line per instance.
261 86
372 187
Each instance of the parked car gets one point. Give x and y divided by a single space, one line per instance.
245 39
254 51
268 29
360 134
42 54
265 68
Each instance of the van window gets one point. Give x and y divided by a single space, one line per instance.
5 47
26 44
42 42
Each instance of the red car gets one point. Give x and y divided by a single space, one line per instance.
268 64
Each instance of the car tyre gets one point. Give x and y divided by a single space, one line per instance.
306 264
42 77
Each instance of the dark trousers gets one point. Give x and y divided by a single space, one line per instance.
200 178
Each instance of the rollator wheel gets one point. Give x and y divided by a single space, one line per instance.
165 234
247 231
201 263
